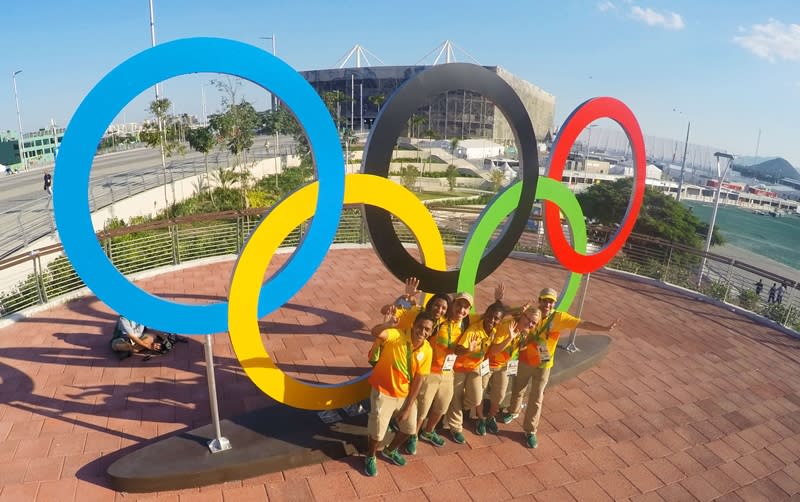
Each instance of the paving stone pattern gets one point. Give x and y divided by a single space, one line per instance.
693 402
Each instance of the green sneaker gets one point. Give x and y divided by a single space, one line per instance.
370 466
508 417
458 437
491 425
411 445
433 438
480 428
393 456
530 437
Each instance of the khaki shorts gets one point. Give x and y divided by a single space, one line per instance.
435 394
382 407
497 380
467 394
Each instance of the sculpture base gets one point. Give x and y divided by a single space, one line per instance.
277 438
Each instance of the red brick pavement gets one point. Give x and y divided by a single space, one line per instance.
693 402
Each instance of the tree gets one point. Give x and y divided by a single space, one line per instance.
414 123
660 216
377 100
451 174
409 175
163 135
202 140
348 138
453 146
497 178
163 132
333 100
236 127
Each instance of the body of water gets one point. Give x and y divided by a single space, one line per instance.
775 238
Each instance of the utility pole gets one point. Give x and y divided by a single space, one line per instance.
21 139
161 132
683 162
274 107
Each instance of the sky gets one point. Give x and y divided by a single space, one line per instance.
730 68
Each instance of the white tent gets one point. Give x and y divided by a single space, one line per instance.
478 149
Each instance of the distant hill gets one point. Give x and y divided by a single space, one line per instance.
751 161
770 170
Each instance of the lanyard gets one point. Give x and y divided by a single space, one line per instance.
449 333
408 360
544 328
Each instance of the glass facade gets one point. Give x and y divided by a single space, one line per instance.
456 114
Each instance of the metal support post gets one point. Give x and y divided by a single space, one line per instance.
219 443
175 252
37 273
728 280
571 347
789 305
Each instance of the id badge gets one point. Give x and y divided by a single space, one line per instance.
544 354
484 367
512 367
449 362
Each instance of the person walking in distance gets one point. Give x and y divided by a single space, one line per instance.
536 353
48 182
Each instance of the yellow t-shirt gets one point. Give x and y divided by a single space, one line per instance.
406 317
445 339
502 333
471 360
392 375
548 336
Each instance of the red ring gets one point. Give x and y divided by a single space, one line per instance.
584 115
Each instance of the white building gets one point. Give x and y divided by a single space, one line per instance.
478 149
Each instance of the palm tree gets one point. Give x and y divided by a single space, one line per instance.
377 100
414 123
453 146
348 138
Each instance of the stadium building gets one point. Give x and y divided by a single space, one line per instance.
455 114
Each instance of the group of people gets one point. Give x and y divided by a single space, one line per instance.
439 361
775 294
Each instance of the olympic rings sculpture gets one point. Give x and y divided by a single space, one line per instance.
249 299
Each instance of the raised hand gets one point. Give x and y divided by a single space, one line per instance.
412 287
391 315
499 291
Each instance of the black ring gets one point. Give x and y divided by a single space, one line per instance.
378 153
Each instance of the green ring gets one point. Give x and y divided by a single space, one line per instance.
499 209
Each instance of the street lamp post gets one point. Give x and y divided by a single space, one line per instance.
720 178
20 140
683 162
586 155
273 103
274 108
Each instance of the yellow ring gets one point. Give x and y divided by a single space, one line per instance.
252 264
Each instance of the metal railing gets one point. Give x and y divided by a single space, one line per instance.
32 220
27 282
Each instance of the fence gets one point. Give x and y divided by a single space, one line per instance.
164 243
32 220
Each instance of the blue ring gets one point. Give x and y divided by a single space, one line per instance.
106 100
